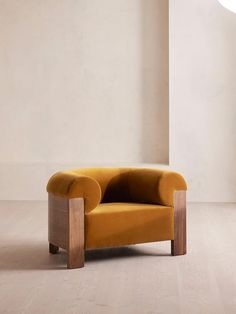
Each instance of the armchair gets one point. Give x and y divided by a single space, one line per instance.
92 208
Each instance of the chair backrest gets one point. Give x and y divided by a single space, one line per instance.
138 185
111 181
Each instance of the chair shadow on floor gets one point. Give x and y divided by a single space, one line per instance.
35 255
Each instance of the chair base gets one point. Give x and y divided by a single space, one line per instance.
66 227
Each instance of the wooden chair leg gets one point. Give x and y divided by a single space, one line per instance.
53 249
66 228
76 233
178 245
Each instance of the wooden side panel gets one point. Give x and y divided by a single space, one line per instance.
66 228
58 221
178 245
76 233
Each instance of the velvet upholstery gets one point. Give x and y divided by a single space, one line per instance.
122 205
117 224
72 185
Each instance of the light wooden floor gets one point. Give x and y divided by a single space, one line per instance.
130 280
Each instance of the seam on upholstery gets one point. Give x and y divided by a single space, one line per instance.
70 185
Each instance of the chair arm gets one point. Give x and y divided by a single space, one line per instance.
169 183
71 185
155 186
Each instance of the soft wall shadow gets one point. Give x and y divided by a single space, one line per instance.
155 81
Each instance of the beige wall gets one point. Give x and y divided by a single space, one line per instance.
203 98
82 83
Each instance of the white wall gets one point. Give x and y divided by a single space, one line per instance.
82 83
203 98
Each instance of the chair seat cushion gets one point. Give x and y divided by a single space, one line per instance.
117 224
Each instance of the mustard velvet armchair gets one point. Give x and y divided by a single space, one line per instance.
93 208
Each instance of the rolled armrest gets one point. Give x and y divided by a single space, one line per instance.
169 183
72 185
155 186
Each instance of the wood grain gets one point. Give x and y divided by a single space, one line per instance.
58 221
66 228
178 245
76 233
